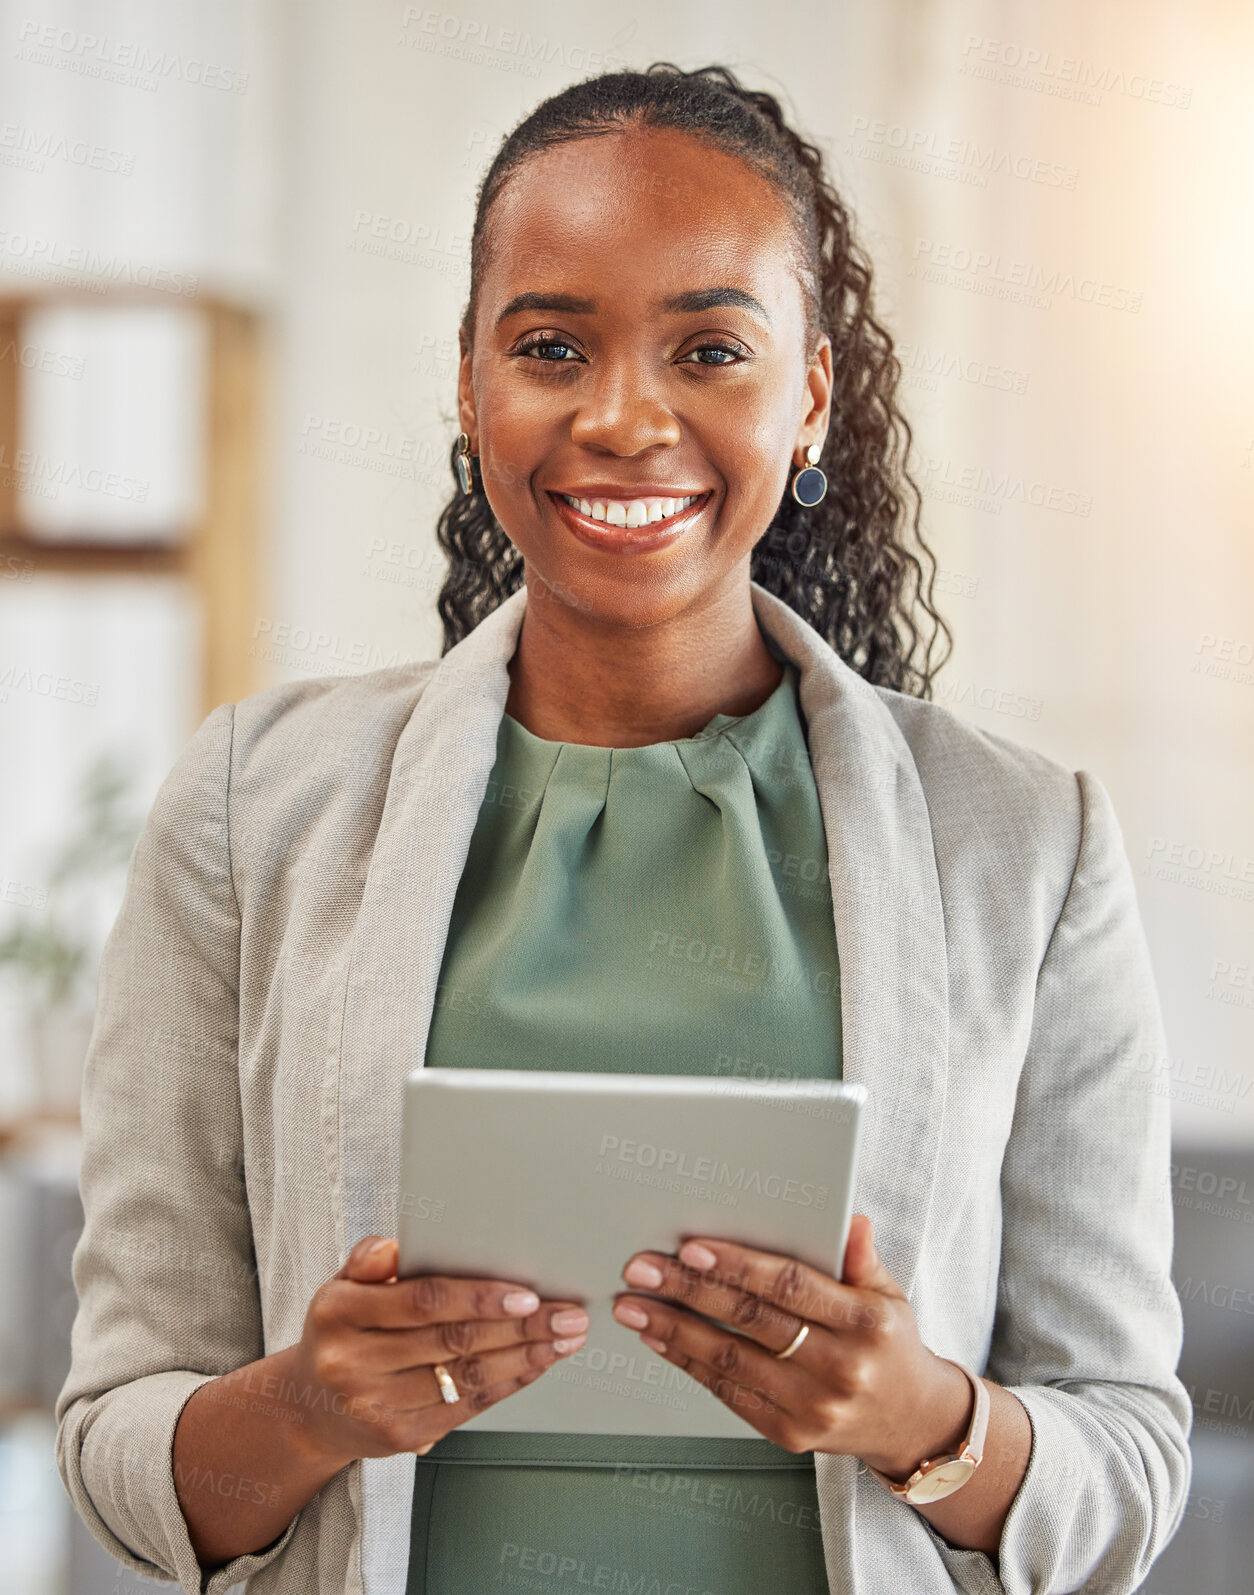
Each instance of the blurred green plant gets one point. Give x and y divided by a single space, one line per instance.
50 953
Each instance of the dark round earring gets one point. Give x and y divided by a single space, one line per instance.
809 485
464 457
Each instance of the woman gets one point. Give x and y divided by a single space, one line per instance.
678 685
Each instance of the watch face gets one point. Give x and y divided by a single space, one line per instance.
940 1481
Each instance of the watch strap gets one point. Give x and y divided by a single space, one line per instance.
972 1447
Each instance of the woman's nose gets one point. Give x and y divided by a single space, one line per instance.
622 415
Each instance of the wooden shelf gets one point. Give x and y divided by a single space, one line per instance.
220 558
92 557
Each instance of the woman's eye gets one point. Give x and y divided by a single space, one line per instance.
551 350
723 355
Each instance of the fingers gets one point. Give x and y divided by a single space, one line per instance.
372 1340
372 1259
863 1266
355 1295
395 1350
756 1404
769 1325
481 1380
478 1400
780 1281
415 1414
682 1337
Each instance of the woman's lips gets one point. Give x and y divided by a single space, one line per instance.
629 526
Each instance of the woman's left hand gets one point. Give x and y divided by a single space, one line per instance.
862 1383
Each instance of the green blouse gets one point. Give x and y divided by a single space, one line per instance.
663 909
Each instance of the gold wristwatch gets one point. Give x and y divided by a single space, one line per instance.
938 1477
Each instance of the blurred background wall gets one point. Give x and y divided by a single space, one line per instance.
233 256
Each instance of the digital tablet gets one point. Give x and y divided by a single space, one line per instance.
554 1179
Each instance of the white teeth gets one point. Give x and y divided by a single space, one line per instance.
631 512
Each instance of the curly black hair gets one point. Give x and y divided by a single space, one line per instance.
845 566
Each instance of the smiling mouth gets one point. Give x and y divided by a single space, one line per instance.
631 513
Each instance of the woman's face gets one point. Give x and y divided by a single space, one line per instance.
639 342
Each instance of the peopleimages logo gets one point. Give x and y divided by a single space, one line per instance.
1068 76
670 1163
120 60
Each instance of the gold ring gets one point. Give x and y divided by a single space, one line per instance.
444 1379
797 1340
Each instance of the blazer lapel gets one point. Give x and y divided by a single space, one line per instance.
439 775
890 936
890 932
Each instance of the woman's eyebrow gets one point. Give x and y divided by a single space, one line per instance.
695 299
568 303
712 298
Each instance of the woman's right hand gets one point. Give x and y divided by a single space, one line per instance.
362 1370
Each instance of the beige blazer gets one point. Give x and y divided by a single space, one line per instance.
270 979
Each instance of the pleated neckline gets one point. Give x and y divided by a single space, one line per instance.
763 728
